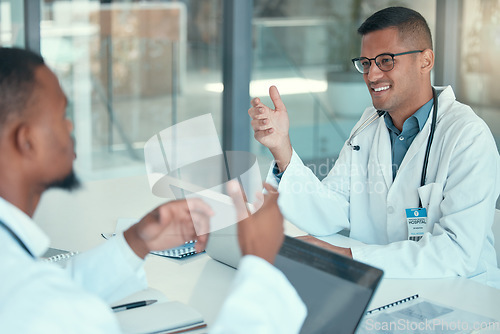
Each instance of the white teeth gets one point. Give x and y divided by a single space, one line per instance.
381 88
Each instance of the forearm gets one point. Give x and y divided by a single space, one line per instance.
282 154
444 253
309 203
111 270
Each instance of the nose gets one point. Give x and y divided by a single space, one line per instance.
375 73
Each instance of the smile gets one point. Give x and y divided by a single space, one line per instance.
379 89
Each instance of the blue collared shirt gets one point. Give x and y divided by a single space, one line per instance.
401 140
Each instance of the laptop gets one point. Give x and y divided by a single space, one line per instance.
335 289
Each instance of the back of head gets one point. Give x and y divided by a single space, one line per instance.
17 81
413 28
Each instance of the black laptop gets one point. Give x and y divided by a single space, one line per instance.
335 289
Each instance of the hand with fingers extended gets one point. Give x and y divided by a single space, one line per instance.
271 127
260 234
171 225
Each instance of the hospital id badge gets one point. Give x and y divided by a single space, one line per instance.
416 219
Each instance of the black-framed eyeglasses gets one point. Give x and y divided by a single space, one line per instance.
384 61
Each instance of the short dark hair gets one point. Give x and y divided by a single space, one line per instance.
411 25
17 81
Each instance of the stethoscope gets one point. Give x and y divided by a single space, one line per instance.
16 238
379 113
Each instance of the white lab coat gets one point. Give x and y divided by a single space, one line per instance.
40 297
359 194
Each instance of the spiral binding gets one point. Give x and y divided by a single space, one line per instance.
179 252
398 302
60 257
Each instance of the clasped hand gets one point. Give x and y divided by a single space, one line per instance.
175 222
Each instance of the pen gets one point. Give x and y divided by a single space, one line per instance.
127 306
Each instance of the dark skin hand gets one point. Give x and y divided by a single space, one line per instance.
170 225
260 234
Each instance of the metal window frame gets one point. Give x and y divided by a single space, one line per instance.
32 19
236 71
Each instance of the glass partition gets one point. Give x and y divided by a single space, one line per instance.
478 70
11 23
131 69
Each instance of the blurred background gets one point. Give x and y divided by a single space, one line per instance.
133 68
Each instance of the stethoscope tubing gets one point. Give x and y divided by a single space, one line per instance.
379 113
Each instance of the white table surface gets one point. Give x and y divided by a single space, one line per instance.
75 221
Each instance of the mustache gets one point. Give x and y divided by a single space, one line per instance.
380 82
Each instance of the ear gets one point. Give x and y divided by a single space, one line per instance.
427 61
23 141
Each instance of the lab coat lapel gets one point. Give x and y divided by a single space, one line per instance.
381 153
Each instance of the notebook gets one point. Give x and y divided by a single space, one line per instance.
163 316
335 289
58 256
419 315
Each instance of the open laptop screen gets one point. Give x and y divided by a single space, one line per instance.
335 289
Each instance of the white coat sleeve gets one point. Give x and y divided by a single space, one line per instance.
261 300
460 242
317 207
112 270
39 297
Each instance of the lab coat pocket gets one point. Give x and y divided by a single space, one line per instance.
431 196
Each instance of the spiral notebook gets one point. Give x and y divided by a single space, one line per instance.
58 256
419 315
388 306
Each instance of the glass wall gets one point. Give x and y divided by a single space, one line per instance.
479 70
131 69
11 23
305 49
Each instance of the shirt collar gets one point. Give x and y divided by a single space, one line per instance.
24 227
423 113
420 116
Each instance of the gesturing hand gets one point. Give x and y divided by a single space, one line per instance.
271 127
171 225
260 234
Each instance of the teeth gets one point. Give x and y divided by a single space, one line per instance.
381 88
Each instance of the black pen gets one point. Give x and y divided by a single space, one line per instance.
127 306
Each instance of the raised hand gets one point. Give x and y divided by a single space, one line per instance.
262 233
271 127
171 225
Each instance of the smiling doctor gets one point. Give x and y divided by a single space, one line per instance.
418 179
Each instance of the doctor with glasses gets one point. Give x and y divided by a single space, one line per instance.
417 180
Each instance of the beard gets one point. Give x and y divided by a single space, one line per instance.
69 183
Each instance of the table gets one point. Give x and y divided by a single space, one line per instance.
74 221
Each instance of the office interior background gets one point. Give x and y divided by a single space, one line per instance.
133 68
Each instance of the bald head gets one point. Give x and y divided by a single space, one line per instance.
413 29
